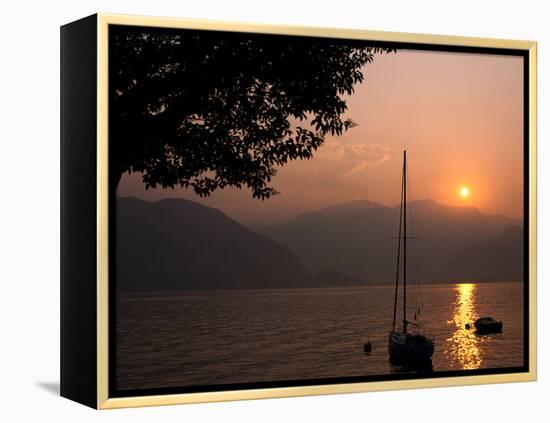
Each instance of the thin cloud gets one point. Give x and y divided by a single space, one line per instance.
352 159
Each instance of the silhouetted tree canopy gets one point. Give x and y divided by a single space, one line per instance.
207 110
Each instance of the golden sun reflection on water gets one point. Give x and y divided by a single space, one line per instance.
462 345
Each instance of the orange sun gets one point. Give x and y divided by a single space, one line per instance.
464 192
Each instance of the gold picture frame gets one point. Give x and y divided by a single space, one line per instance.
100 217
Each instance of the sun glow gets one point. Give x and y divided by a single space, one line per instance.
464 191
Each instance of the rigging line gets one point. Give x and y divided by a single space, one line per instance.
413 252
398 251
419 302
405 241
417 262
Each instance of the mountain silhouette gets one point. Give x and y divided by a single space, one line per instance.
176 244
340 209
495 259
331 278
356 239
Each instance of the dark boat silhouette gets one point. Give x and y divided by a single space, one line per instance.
407 347
487 325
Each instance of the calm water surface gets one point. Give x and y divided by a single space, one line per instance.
203 338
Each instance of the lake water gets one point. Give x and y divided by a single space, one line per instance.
205 338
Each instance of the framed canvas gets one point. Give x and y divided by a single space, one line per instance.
253 211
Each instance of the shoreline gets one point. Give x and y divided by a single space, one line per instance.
203 292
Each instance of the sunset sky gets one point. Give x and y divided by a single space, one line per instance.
460 117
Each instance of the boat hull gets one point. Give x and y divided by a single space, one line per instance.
485 328
410 349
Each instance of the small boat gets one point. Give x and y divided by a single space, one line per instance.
487 325
407 347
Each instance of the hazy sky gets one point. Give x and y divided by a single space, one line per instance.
459 115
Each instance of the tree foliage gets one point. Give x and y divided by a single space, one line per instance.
207 110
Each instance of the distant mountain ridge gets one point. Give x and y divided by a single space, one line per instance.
356 240
338 209
488 260
176 244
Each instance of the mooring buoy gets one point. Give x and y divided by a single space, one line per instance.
367 347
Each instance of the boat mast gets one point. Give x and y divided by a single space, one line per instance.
398 251
405 241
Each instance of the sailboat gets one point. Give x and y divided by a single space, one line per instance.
406 346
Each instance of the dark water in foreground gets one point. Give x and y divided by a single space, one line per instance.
203 338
